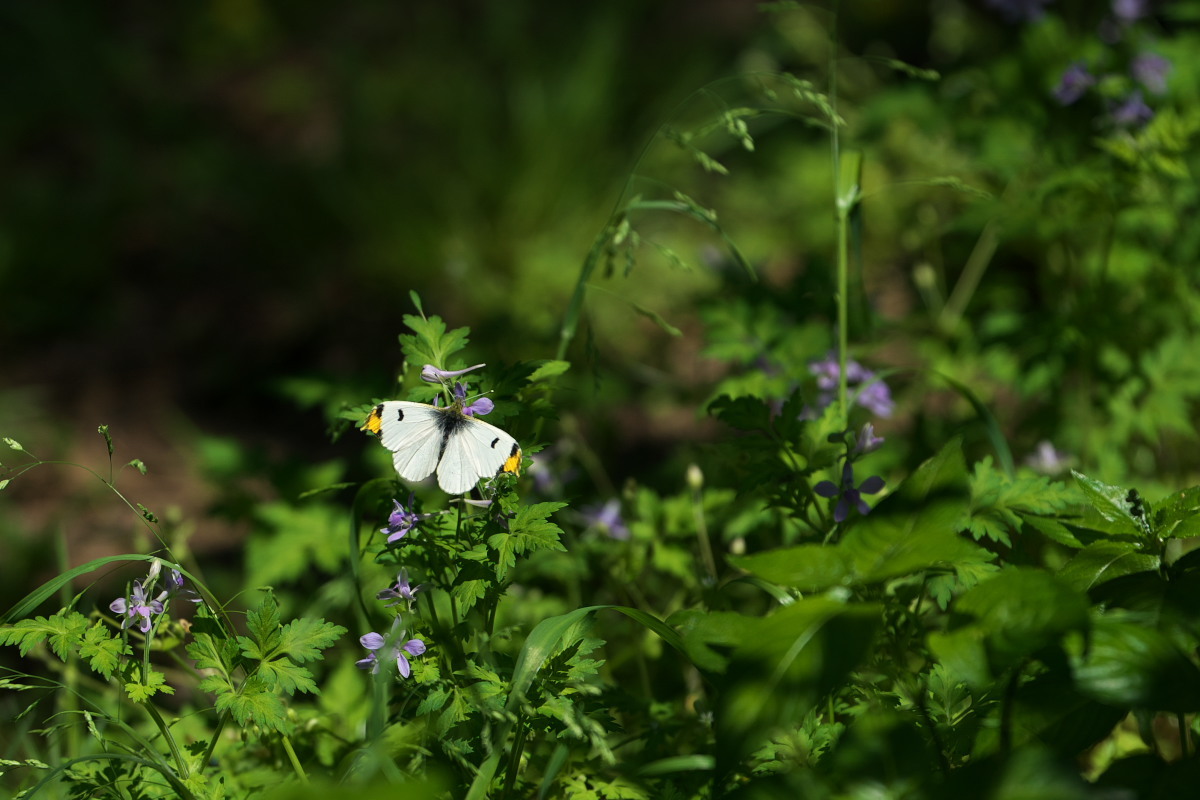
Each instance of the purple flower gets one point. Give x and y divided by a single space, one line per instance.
847 494
481 406
401 521
138 606
375 643
1150 70
869 392
607 518
401 590
175 587
1132 112
1075 81
431 374
867 441
1128 11
1018 10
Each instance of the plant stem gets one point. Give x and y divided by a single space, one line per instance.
287 745
180 764
514 757
212 743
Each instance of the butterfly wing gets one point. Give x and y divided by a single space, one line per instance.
414 432
476 450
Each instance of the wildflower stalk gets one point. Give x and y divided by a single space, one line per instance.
291 753
180 764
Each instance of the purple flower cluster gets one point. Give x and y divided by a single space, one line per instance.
848 495
138 608
867 390
1148 70
391 648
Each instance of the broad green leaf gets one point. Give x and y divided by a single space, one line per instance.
1132 665
528 532
1110 501
1101 562
963 654
709 637
304 639
1019 612
743 413
282 674
263 623
1179 514
807 567
254 703
63 632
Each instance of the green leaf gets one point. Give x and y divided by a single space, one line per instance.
657 319
807 567
264 626
1132 665
1101 562
254 704
916 527
1019 612
528 532
138 464
304 639
63 632
783 665
1000 502
430 342
468 593
547 370
31 601
153 683
103 431
1179 514
1109 501
13 444
743 413
102 651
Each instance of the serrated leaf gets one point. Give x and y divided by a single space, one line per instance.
431 342
281 673
528 532
151 684
63 632
263 623
304 639
1000 502
255 704
1109 501
1101 562
103 652
468 593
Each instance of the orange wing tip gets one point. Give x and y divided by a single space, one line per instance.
374 422
513 463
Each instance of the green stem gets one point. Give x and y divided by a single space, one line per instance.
1181 721
287 745
180 764
514 757
212 743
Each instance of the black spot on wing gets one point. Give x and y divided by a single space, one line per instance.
493 444
399 414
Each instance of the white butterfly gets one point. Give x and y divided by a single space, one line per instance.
425 438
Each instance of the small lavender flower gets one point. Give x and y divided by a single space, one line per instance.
1048 460
400 591
1018 10
1128 11
847 494
175 585
1075 82
1151 70
431 374
481 406
402 520
375 642
1132 112
867 441
607 518
138 606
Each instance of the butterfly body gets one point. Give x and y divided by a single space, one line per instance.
424 439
